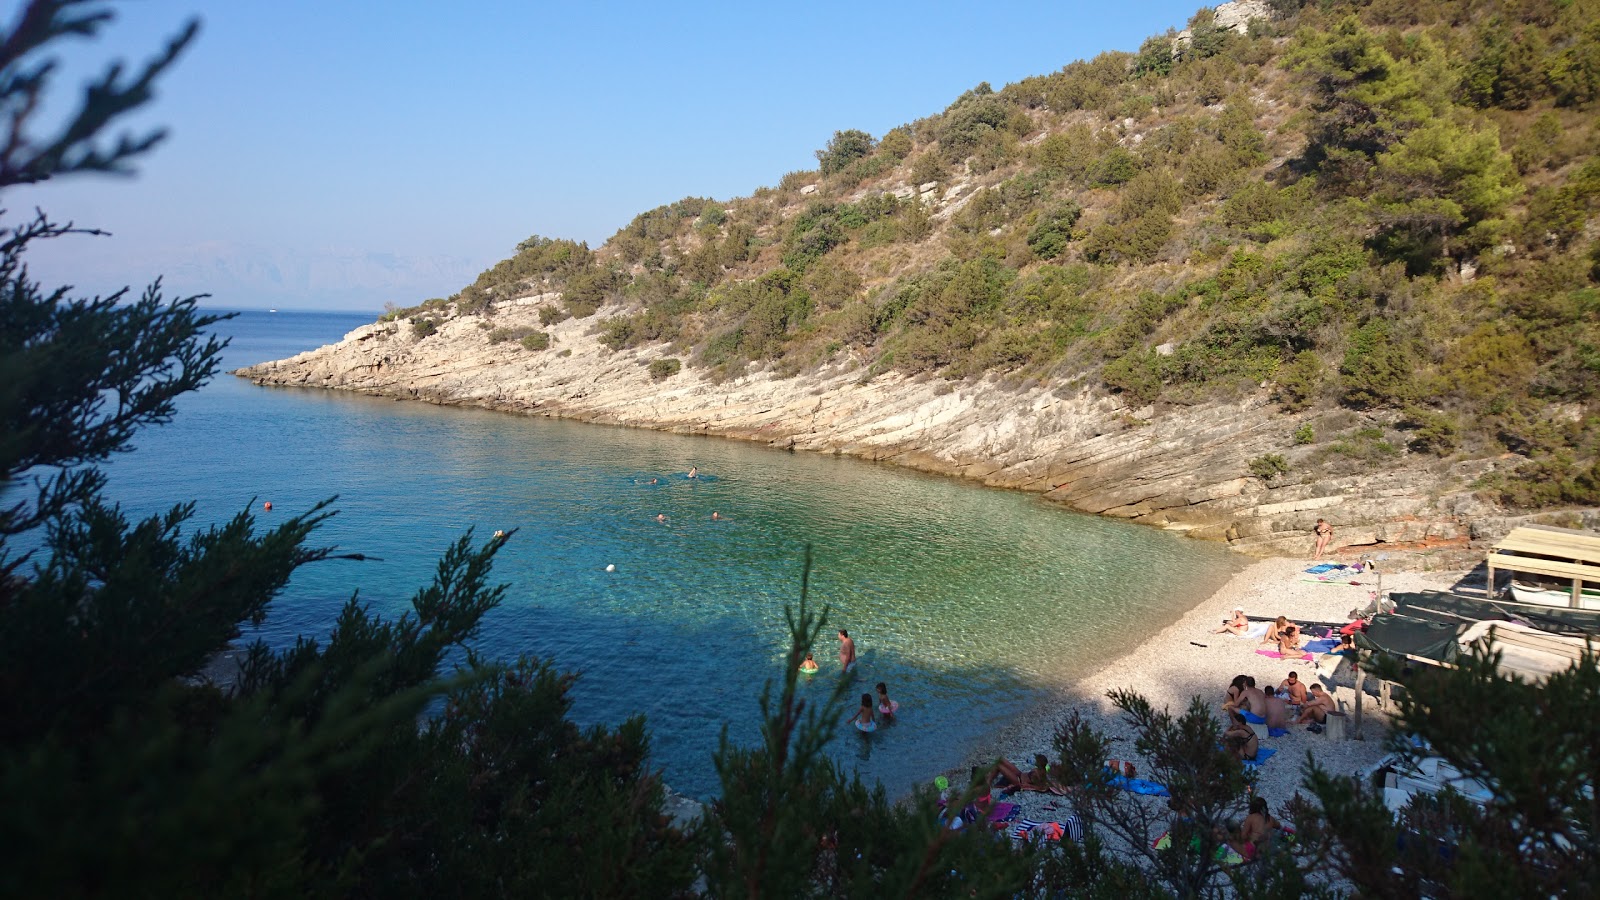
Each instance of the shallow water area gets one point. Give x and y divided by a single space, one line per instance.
971 604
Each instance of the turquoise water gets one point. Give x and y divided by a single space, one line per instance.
970 603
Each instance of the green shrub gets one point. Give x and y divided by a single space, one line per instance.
1377 369
538 340
845 148
550 315
897 143
617 333
1269 466
501 335
1305 434
1054 230
664 368
424 327
1136 374
1431 432
1300 381
1558 478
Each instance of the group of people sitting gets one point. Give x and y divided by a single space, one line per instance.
1282 632
1245 704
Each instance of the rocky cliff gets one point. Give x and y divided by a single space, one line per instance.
1187 469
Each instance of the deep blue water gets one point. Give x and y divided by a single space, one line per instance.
970 603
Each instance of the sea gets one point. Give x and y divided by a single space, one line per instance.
973 605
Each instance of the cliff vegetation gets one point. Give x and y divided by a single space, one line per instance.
1383 214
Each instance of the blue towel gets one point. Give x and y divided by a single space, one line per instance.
1324 567
1320 646
1276 732
1262 755
1252 718
1140 786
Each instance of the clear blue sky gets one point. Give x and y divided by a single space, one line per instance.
339 155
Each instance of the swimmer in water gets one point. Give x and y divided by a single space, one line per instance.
715 517
694 471
810 663
886 707
863 717
655 481
661 517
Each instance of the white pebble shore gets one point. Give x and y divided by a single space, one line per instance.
1169 669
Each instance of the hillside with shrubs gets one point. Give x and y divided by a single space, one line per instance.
1387 212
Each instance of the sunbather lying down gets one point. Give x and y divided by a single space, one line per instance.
1035 779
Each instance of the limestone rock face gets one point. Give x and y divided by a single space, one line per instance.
1183 468
1236 16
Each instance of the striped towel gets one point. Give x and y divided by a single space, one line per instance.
1050 831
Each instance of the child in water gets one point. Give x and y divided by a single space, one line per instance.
809 665
863 717
886 707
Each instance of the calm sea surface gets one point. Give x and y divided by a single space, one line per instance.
970 603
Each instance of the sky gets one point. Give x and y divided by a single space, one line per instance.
344 155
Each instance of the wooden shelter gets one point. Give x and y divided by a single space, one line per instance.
1553 552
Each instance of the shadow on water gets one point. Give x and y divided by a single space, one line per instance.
971 603
714 673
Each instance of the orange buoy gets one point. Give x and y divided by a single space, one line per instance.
267 505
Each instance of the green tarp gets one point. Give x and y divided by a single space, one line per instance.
1427 624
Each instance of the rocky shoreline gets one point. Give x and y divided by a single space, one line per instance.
1185 469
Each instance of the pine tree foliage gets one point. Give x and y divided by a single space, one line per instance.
1534 746
125 768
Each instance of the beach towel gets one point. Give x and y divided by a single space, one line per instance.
1140 786
1324 568
1004 812
1324 646
1273 654
1252 718
1276 732
1262 755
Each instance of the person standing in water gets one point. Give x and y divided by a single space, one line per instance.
886 707
847 651
863 717
694 471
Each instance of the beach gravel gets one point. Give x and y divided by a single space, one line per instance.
1187 659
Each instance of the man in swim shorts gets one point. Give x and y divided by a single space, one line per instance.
847 651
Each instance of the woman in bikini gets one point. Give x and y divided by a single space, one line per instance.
863 717
1238 623
1240 739
1255 831
1324 533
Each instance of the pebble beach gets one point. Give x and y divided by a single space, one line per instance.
1187 658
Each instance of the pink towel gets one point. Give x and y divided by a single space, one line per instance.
1003 812
1276 655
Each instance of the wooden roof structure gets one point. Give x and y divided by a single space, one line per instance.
1554 552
